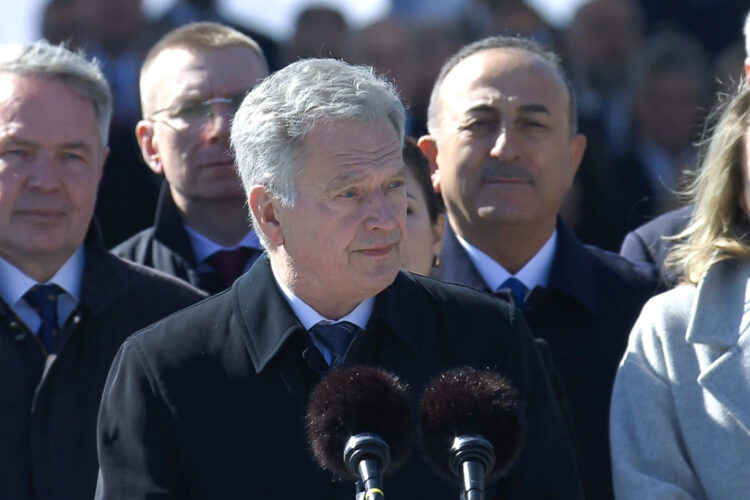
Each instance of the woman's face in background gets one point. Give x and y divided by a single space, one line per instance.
424 240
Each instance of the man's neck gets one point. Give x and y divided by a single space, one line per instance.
510 245
38 267
325 304
224 221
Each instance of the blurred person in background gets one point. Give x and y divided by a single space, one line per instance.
651 242
670 98
319 31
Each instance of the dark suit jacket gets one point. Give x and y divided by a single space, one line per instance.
210 402
166 246
585 314
48 405
648 242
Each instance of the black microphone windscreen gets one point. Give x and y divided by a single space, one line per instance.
470 401
356 400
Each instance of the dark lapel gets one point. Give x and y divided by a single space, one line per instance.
169 229
456 266
103 279
572 269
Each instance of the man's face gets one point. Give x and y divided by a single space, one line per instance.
50 165
344 233
503 151
190 148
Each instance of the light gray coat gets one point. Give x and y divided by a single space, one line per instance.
680 414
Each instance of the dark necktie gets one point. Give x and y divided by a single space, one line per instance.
513 291
43 299
336 337
231 263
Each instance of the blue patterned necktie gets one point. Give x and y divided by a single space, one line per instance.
336 337
513 288
43 299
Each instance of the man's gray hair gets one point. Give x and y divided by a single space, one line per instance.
57 63
746 31
270 127
500 42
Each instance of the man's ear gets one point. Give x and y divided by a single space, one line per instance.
577 148
428 145
747 68
144 134
263 206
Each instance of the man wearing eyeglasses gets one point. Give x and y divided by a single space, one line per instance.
191 83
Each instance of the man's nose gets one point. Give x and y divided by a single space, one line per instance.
381 211
505 147
44 174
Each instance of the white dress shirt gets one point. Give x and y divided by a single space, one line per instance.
309 317
534 273
14 283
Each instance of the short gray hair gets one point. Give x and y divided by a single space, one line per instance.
270 127
58 63
502 43
746 31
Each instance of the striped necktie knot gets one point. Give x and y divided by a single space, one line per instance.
336 337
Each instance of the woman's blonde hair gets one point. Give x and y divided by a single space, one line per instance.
718 229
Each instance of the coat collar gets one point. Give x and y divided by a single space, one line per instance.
169 227
720 313
268 322
719 324
572 270
103 275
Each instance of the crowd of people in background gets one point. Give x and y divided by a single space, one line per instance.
282 185
646 75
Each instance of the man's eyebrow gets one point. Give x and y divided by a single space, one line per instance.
481 108
344 179
534 108
76 145
17 141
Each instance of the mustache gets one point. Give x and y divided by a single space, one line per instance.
498 171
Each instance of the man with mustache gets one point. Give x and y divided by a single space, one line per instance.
504 150
210 402
66 304
192 82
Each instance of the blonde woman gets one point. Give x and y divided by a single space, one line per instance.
680 414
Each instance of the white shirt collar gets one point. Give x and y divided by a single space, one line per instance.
309 317
535 272
14 283
204 247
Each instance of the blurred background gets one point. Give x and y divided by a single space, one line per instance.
646 73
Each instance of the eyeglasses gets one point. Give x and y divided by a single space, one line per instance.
187 113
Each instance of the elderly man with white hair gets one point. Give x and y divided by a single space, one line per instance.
210 402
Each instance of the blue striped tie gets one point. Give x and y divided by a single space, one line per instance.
336 337
43 299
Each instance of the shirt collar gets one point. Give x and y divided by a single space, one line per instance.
14 283
309 317
204 247
535 272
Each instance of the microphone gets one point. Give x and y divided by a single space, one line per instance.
359 425
471 427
